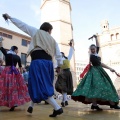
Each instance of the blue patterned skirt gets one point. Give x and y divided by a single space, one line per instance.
40 82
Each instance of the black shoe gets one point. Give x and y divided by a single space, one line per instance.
30 110
66 103
56 112
114 107
96 108
63 104
46 103
12 108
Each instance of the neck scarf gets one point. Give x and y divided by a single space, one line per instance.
11 52
94 54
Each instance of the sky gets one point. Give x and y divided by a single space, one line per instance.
86 18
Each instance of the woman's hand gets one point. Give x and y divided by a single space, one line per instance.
21 70
95 36
71 42
58 69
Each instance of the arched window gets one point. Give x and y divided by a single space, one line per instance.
117 36
112 37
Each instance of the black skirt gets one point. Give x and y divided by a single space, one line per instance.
64 82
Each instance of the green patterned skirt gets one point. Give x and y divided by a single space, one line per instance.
96 85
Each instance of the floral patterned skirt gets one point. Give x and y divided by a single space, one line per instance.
13 89
96 85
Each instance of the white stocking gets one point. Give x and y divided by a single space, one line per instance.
31 104
64 97
52 101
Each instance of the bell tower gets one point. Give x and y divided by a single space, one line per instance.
105 26
58 13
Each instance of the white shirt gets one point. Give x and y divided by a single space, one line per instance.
32 31
71 51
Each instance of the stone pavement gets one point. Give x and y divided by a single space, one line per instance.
75 111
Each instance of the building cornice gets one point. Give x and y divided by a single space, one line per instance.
65 1
110 43
14 33
114 28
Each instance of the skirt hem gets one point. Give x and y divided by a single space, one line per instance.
88 101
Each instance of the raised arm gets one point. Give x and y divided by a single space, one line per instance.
58 56
97 42
22 26
71 51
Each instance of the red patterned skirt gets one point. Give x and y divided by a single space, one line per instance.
13 89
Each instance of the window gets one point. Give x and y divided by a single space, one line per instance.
6 35
24 42
112 37
117 36
24 59
9 36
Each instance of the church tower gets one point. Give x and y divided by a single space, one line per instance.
105 26
58 13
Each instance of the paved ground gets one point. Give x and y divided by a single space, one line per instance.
75 111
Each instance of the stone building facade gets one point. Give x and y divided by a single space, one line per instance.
80 66
12 38
110 48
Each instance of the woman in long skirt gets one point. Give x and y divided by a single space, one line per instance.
64 83
13 90
96 87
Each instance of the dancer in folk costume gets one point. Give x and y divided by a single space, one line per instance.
13 90
96 87
43 49
64 83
